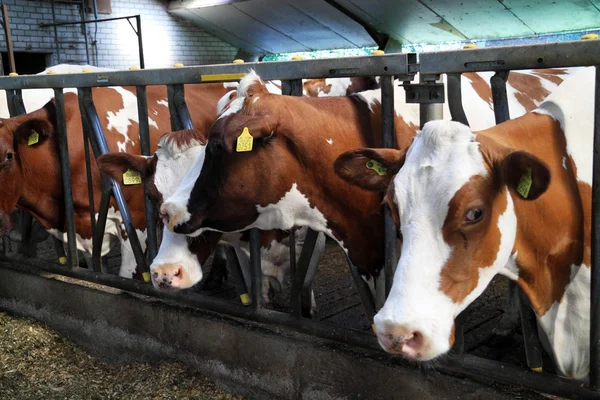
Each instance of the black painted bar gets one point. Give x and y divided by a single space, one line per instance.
595 278
255 269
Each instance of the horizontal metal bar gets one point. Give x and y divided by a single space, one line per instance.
547 55
90 21
392 64
465 365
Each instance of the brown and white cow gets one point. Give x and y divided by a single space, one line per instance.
178 264
514 200
30 172
287 179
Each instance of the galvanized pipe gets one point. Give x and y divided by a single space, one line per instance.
65 169
389 141
255 269
595 267
151 238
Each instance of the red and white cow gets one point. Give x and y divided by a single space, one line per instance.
29 166
514 200
287 179
178 264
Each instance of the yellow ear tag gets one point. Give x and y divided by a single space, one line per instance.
34 137
377 167
131 177
244 141
245 298
525 183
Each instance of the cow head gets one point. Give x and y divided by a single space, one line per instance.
19 139
225 173
179 260
454 199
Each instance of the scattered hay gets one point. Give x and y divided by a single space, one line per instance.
36 362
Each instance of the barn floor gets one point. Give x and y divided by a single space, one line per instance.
339 304
36 362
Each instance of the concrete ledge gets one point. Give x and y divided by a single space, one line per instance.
256 360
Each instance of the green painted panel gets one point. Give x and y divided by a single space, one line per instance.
548 16
409 20
479 19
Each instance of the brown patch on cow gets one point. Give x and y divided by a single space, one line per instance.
529 90
182 139
554 75
312 87
481 87
460 274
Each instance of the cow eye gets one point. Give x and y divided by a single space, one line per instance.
473 215
9 156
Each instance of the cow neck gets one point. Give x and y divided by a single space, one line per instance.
544 256
353 214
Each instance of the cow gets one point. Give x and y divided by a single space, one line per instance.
287 178
30 172
515 200
178 264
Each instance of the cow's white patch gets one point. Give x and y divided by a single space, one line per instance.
574 116
564 162
230 84
339 87
120 121
174 249
223 101
112 235
330 141
163 102
234 106
255 99
511 269
567 325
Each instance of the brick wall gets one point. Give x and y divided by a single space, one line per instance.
167 39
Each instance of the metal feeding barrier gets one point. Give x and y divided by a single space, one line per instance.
426 92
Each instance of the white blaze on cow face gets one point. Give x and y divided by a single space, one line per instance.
175 266
430 287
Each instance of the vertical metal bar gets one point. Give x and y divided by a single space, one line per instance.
236 273
56 42
180 116
455 99
389 141
84 31
65 168
300 291
86 106
138 21
14 98
595 268
366 297
255 269
88 170
292 241
528 319
9 44
98 235
292 87
142 104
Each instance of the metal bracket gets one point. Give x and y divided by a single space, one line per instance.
424 93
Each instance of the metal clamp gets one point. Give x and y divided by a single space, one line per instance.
424 93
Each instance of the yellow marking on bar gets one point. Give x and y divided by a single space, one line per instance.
470 46
222 77
146 276
590 36
13 74
62 260
245 299
537 369
177 65
373 327
238 61
378 52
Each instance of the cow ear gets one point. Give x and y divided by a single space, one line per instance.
242 133
370 169
117 164
525 174
33 132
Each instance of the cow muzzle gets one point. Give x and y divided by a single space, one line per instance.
173 277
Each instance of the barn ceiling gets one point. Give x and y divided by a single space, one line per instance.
277 26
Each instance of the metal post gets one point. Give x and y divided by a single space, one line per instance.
180 116
255 269
65 168
389 141
138 21
300 291
9 44
142 105
595 267
236 273
98 235
455 99
528 319
86 106
366 297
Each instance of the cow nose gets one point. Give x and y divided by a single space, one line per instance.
167 276
406 342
